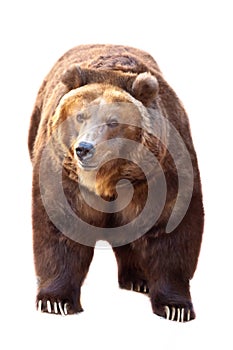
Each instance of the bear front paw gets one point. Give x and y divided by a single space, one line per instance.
178 314
53 307
175 311
57 306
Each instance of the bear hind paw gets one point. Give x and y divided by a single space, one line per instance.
136 286
140 288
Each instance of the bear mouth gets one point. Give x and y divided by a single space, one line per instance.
87 166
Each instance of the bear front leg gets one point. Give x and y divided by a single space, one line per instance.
130 273
171 299
61 266
170 261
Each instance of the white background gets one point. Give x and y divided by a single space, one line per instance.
192 42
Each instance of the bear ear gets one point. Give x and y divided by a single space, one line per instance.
73 78
145 88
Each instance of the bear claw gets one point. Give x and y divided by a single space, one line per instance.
177 314
39 308
53 308
49 308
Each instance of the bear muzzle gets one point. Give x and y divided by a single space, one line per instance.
85 151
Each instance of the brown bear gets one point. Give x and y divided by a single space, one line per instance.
113 160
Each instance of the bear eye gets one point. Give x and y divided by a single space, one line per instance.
80 117
113 123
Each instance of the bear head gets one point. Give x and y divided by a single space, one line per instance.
108 127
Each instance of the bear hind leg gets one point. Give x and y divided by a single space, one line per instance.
130 273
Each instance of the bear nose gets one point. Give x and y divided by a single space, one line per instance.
84 150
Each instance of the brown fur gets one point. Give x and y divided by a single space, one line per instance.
92 85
